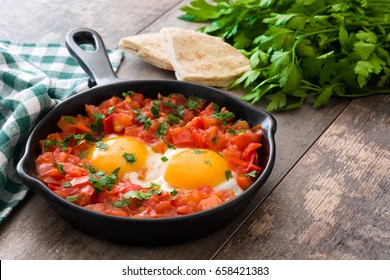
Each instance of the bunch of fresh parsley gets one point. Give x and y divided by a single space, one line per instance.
303 50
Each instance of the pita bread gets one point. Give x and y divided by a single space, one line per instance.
194 56
201 58
150 47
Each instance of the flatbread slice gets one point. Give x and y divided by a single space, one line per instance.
150 47
201 58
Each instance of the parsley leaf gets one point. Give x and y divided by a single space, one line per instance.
83 154
129 157
69 120
155 109
72 198
101 145
141 195
128 93
121 203
99 180
171 119
228 175
97 125
162 129
67 184
141 118
223 116
174 192
111 110
251 174
193 102
198 152
59 167
90 168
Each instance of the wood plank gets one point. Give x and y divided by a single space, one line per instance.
334 204
49 21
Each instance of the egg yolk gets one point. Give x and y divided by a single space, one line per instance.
195 168
125 152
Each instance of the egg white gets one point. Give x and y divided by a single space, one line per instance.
156 168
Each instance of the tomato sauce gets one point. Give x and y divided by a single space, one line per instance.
163 123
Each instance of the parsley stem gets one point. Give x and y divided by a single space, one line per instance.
300 37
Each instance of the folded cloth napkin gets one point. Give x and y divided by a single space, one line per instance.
33 79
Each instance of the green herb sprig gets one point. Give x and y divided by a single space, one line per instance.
100 179
303 50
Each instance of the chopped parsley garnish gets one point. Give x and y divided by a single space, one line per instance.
79 137
170 146
250 174
155 185
67 184
141 195
121 203
129 157
207 162
97 125
232 131
164 159
174 192
90 168
141 118
155 109
65 143
214 139
100 180
128 93
83 154
162 129
171 119
223 116
49 143
59 167
193 102
69 120
197 151
178 109
101 145
228 175
111 110
216 108
169 104
72 198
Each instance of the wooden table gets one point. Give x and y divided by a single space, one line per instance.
328 195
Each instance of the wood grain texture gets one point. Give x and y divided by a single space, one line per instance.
334 204
49 21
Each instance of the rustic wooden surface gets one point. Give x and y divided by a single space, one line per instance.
327 197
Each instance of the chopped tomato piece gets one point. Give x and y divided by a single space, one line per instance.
182 137
121 121
242 140
244 182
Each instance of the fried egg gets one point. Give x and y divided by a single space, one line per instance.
179 168
187 169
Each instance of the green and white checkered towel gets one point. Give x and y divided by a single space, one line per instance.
33 79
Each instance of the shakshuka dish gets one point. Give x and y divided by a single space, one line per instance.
138 157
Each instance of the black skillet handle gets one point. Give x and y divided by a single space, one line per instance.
95 63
